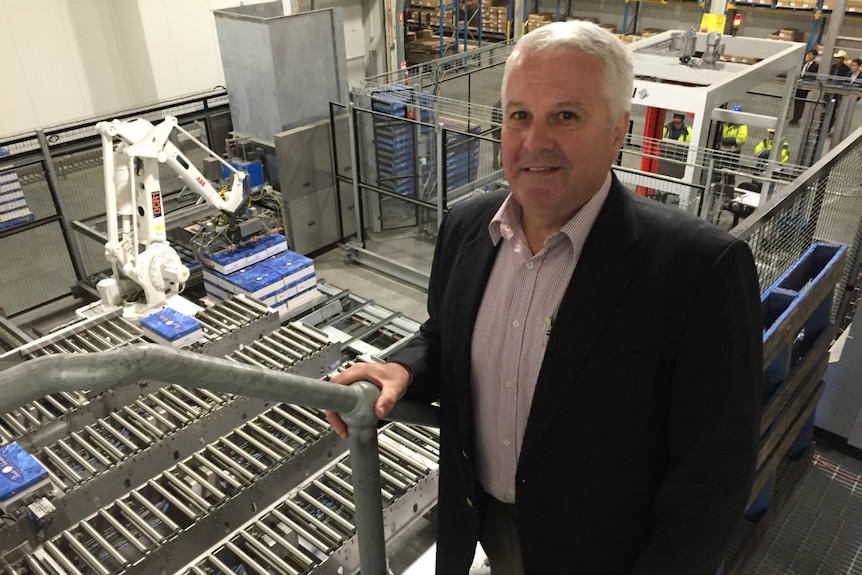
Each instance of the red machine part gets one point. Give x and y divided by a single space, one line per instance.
653 125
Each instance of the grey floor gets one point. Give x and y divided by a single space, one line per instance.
819 531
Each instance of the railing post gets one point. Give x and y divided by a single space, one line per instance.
365 475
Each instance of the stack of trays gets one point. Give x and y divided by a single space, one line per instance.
13 204
243 255
282 281
170 327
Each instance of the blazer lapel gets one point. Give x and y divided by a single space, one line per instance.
469 275
599 280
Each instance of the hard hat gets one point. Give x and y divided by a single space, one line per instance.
737 108
840 54
770 130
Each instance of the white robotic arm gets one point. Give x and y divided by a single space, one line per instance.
166 152
137 249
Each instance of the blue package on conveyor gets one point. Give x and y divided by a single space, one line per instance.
171 324
258 281
19 471
227 261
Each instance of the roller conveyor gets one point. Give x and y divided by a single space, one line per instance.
39 422
233 322
361 326
114 438
139 490
167 506
105 333
100 458
313 531
283 349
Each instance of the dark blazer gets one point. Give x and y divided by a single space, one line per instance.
839 70
640 444
811 74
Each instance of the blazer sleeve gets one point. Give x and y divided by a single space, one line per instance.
712 424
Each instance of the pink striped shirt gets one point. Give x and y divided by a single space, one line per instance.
511 331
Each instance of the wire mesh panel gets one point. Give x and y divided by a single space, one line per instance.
400 129
824 205
54 179
458 93
840 221
36 268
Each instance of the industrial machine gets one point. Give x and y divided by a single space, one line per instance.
137 249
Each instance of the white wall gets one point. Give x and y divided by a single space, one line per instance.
58 63
65 60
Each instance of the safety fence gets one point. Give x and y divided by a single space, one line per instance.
54 235
824 204
414 129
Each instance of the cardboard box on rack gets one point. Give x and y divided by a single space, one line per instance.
791 35
796 4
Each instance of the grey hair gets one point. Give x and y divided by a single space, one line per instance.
587 38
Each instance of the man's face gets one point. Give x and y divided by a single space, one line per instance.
557 145
838 61
854 67
809 56
770 135
677 121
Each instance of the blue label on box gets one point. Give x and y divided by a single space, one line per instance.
18 471
257 280
171 324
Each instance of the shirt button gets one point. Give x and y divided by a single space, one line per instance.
529 265
516 323
464 453
506 442
469 502
509 385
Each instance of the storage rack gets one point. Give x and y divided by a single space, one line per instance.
396 142
462 158
417 11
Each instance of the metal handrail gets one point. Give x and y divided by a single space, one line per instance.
99 372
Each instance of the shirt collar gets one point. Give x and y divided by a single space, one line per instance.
507 221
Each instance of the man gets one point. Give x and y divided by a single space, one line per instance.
855 67
837 72
587 425
733 137
764 148
809 73
676 129
839 69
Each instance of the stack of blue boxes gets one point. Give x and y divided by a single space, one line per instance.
462 158
395 140
265 270
170 327
13 204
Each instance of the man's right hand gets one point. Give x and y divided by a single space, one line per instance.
391 378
